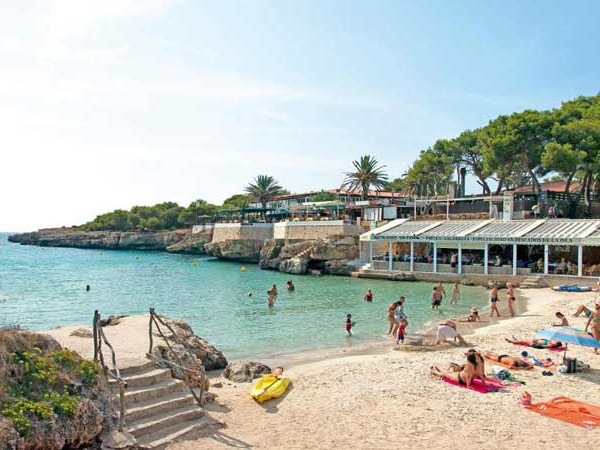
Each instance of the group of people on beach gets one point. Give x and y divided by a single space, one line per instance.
398 320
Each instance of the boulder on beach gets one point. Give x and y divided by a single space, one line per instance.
191 350
245 371
82 333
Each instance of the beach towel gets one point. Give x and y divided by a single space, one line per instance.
556 349
568 410
476 386
506 365
500 384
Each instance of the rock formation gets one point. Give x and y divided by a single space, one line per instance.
326 256
63 401
192 243
192 351
245 371
243 250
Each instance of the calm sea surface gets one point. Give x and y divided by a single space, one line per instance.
42 287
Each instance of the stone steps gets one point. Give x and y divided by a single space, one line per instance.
531 283
191 428
158 422
141 410
160 409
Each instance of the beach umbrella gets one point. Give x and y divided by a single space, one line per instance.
568 335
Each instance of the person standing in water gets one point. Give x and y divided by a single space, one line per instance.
510 296
494 300
349 324
272 293
391 319
455 295
441 290
369 296
87 288
290 286
436 299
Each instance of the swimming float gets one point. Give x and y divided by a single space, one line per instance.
269 387
571 288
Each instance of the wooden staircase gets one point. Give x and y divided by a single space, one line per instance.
160 409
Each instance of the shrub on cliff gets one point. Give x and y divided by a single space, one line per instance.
50 397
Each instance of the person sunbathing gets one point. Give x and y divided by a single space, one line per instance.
509 361
479 364
465 376
536 343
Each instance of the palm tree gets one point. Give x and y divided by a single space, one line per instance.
367 173
263 189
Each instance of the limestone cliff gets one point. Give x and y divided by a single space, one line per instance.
177 241
327 256
243 250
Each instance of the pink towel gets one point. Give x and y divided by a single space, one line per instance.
476 386
557 349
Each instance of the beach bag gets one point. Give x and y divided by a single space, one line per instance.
570 364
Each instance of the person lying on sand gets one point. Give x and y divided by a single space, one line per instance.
472 317
508 361
277 372
447 329
465 376
536 343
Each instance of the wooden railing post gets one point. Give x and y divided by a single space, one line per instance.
95 332
150 331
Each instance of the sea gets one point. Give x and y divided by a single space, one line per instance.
224 302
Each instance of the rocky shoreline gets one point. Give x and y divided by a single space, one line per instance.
173 241
316 257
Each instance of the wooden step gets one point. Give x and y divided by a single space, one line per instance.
193 428
158 422
154 406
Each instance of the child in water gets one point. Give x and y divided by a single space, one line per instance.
349 324
401 328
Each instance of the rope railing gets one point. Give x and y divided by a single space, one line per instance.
156 321
100 337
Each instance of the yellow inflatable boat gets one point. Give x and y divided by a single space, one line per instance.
269 387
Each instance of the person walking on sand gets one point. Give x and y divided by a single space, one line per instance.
349 324
455 295
401 330
369 296
436 299
510 297
494 300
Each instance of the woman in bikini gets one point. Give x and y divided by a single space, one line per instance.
510 294
536 343
509 361
465 376
390 316
595 319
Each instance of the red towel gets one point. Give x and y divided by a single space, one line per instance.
476 386
568 410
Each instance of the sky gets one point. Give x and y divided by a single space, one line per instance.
114 103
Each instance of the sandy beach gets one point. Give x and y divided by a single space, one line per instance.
380 398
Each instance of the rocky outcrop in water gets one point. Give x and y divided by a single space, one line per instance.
243 250
192 350
191 244
175 241
326 256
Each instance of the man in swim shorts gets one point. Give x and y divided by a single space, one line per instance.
436 299
447 330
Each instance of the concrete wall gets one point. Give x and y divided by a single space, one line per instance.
204 228
314 230
232 231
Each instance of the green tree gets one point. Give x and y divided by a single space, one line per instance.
263 189
237 201
367 172
324 196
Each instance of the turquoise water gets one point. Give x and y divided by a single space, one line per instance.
42 287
